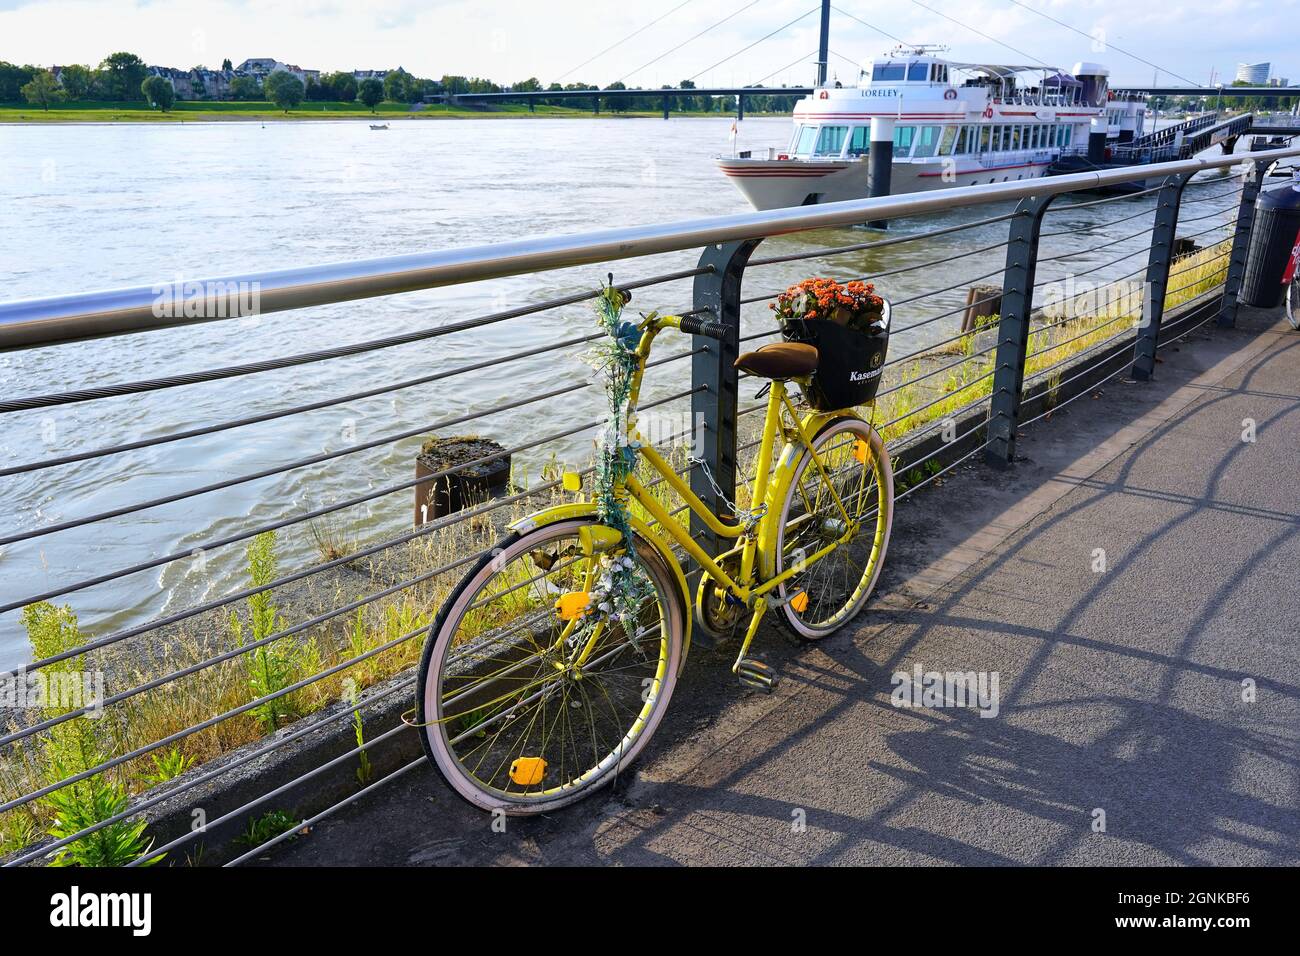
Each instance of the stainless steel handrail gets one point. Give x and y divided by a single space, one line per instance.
48 321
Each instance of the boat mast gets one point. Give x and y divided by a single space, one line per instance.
823 48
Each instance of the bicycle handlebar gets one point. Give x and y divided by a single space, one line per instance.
714 330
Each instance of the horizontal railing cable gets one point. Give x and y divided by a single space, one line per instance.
311 726
295 410
13 537
1075 230
317 620
184 732
880 243
329 812
407 338
1062 207
1104 245
284 788
275 525
1235 191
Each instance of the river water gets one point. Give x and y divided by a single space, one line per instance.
86 207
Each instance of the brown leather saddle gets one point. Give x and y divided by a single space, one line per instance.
780 360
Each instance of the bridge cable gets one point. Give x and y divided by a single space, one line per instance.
871 26
622 41
984 35
848 59
1106 42
691 40
757 42
792 63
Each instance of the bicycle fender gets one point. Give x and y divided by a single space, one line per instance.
569 512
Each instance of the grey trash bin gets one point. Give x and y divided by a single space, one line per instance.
1277 219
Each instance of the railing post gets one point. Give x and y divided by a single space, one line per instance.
1240 244
1013 328
1157 278
713 366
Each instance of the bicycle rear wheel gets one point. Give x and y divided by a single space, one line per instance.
512 715
826 593
1293 304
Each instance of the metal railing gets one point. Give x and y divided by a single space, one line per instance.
987 388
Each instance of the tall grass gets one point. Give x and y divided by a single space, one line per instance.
74 747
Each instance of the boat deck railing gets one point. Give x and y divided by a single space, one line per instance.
948 396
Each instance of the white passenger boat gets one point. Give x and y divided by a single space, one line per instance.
952 124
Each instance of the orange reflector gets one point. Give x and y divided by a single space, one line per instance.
861 450
800 601
528 771
573 605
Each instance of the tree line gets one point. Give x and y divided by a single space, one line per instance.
124 78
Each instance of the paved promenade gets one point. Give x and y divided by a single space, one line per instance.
1157 693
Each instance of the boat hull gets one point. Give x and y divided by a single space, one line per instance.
776 184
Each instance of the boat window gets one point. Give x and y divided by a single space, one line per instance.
917 71
889 71
831 140
860 141
903 139
949 140
962 144
985 133
1035 137
928 140
1069 134
1015 138
807 136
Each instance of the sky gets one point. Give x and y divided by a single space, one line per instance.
510 40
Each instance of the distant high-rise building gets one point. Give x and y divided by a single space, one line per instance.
1278 81
1256 74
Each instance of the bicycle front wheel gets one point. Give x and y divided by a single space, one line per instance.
527 705
826 592
1293 303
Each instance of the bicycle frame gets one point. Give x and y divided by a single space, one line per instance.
758 542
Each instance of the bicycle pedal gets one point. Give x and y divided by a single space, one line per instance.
754 673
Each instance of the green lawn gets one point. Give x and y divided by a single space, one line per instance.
92 112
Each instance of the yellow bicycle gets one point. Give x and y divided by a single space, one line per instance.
529 697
